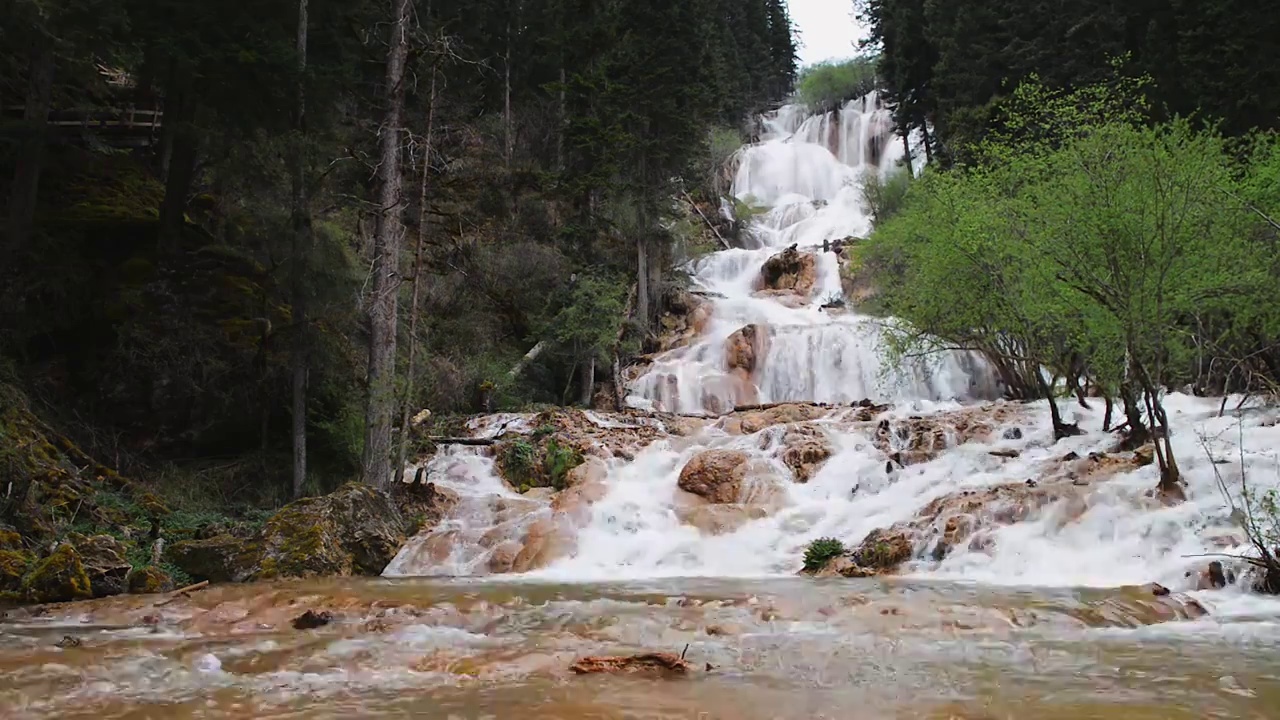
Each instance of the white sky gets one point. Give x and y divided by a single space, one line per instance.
826 28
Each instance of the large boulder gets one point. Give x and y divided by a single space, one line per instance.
149 580
222 558
355 530
684 317
790 271
750 422
104 561
57 578
745 349
716 475
14 565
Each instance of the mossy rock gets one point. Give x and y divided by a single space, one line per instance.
10 540
222 558
105 563
540 460
14 565
884 549
149 580
58 578
355 530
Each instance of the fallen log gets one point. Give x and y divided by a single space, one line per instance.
183 592
476 442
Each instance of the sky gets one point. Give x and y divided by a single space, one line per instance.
826 27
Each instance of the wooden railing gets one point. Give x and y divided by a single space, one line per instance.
129 125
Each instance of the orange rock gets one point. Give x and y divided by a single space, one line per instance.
660 663
716 475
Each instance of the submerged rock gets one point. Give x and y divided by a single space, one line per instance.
716 475
310 620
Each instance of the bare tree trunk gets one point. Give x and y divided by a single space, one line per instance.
906 149
586 390
529 357
301 222
402 457
179 117
928 145
509 142
387 240
35 118
642 280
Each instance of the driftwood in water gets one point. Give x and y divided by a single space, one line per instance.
660 662
182 592
705 219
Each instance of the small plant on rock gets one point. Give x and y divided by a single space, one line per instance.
820 552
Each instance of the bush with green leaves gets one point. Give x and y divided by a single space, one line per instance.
820 552
825 86
1085 240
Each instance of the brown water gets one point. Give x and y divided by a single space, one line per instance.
776 649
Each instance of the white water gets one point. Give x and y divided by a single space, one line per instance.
635 530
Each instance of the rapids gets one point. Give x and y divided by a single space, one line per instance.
481 615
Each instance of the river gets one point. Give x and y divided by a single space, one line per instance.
1041 609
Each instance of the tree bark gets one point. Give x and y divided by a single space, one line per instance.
509 142
182 146
928 145
906 149
529 357
301 221
642 280
403 455
588 380
30 160
387 241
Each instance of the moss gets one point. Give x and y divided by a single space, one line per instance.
221 558
14 565
10 540
149 580
545 462
57 578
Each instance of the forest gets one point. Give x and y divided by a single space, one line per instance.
1100 217
247 242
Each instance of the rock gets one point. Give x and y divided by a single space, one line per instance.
745 349
844 566
149 580
716 475
1158 590
1145 455
103 558
884 549
790 270
1005 453
57 578
218 559
354 530
310 620
684 318
921 439
805 449
68 641
660 663
1213 577
1012 433
719 519
750 422
14 565
422 504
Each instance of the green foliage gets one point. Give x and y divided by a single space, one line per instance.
540 461
828 85
885 196
820 552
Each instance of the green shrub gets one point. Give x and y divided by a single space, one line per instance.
820 552
827 85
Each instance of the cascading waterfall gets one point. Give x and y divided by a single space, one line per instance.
804 174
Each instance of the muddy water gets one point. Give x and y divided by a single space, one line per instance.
761 649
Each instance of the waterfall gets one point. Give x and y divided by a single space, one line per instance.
1100 528
804 177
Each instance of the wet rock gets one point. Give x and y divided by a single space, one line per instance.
1145 455
1214 577
684 318
657 663
884 550
149 580
805 449
790 270
1012 433
719 519
1007 453
103 558
921 439
310 620
716 475
57 578
423 504
218 559
354 530
546 540
749 422
68 641
745 349
844 566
